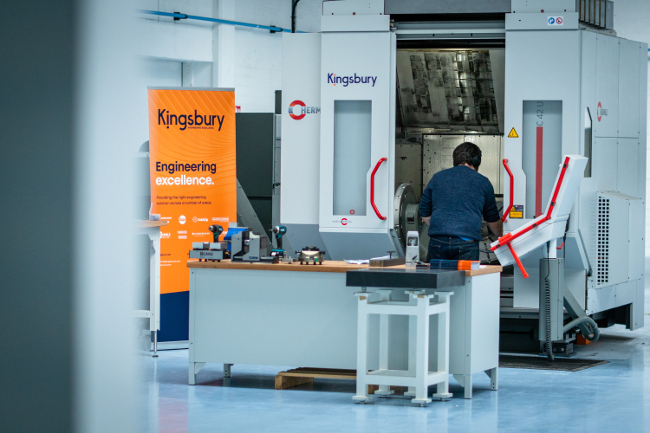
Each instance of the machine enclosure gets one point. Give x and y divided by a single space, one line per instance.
590 86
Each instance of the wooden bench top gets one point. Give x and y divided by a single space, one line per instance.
327 266
145 224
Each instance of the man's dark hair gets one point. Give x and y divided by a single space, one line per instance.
467 153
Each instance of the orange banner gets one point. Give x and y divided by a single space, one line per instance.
193 172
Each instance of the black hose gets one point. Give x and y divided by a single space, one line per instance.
547 303
294 3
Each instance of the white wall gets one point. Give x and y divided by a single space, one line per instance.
632 21
258 54
250 60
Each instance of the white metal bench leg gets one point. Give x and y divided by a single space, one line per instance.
413 322
422 352
493 374
195 367
362 345
443 346
468 386
384 390
465 380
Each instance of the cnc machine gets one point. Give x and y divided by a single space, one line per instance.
374 105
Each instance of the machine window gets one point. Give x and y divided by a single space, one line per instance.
352 133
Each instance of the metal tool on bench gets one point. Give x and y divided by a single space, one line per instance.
279 251
383 262
210 250
311 255
412 249
245 246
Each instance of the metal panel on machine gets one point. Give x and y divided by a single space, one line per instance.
357 156
607 87
300 156
629 104
446 6
531 78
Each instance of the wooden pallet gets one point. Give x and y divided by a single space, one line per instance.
303 375
300 376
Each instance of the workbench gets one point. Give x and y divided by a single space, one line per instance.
306 316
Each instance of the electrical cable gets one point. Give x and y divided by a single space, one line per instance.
587 326
547 304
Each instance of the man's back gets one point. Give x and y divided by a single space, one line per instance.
457 199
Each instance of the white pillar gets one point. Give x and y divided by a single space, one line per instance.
223 45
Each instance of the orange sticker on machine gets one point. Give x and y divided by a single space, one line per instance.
517 211
193 172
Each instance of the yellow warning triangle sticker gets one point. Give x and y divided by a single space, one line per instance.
513 134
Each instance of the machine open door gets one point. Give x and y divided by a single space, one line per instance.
357 159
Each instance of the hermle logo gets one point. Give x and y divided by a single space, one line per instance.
298 110
351 79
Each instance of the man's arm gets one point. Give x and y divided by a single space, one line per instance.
496 228
491 212
425 207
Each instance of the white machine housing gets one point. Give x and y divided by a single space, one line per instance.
591 89
571 90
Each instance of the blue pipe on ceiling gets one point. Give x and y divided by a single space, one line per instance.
272 29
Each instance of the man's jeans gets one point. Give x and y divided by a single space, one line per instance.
452 248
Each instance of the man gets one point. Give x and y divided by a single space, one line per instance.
454 204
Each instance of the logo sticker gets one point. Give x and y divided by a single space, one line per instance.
351 79
344 221
600 112
555 21
298 110
190 121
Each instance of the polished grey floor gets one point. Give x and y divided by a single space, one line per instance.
610 398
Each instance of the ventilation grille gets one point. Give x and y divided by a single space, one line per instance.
603 241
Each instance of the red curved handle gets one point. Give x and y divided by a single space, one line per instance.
512 191
372 189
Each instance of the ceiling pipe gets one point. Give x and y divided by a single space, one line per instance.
181 16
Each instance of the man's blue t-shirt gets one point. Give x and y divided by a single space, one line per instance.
458 199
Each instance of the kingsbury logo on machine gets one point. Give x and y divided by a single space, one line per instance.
347 80
298 110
